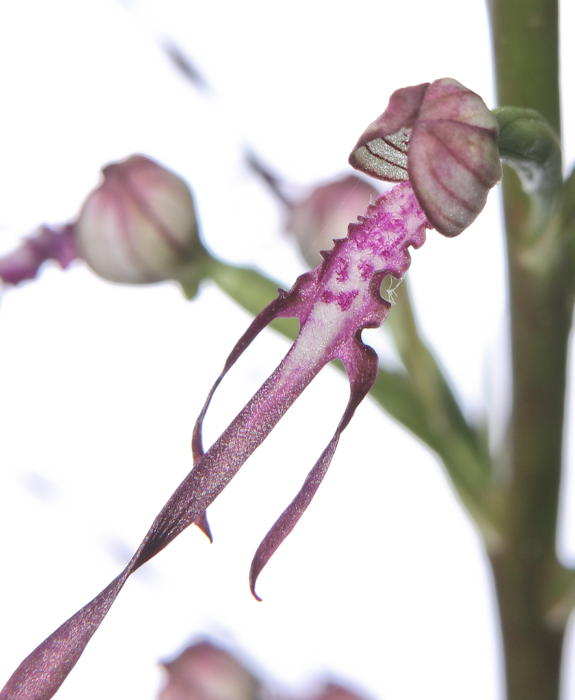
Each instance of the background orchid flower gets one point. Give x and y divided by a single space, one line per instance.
335 691
203 671
206 671
318 219
138 226
333 303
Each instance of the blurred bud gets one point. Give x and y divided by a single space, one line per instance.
204 672
443 138
139 226
333 691
325 214
24 262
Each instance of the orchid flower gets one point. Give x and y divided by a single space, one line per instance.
137 227
438 141
204 671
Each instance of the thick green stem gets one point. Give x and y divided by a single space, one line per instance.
525 44
526 55
532 648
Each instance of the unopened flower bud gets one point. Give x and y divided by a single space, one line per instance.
443 138
205 672
324 216
334 691
139 225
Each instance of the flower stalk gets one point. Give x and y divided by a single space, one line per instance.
541 276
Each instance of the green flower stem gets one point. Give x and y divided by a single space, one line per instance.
251 290
426 375
525 49
525 46
463 448
568 213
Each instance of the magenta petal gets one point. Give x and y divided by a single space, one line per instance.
261 321
24 262
361 363
334 303
42 672
289 518
285 305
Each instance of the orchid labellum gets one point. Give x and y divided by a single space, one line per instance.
439 142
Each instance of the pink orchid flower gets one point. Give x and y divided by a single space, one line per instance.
439 142
137 227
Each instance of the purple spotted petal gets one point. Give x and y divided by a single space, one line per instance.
321 217
333 303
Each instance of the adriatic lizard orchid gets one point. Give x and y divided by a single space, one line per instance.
439 142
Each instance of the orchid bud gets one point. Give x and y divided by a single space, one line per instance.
334 691
205 672
323 216
139 226
443 138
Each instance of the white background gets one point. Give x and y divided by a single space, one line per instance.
383 582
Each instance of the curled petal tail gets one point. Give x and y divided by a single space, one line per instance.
362 361
291 515
333 303
281 307
41 674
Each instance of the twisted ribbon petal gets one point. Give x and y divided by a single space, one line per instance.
333 303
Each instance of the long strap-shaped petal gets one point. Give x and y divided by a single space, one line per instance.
360 384
40 675
334 303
